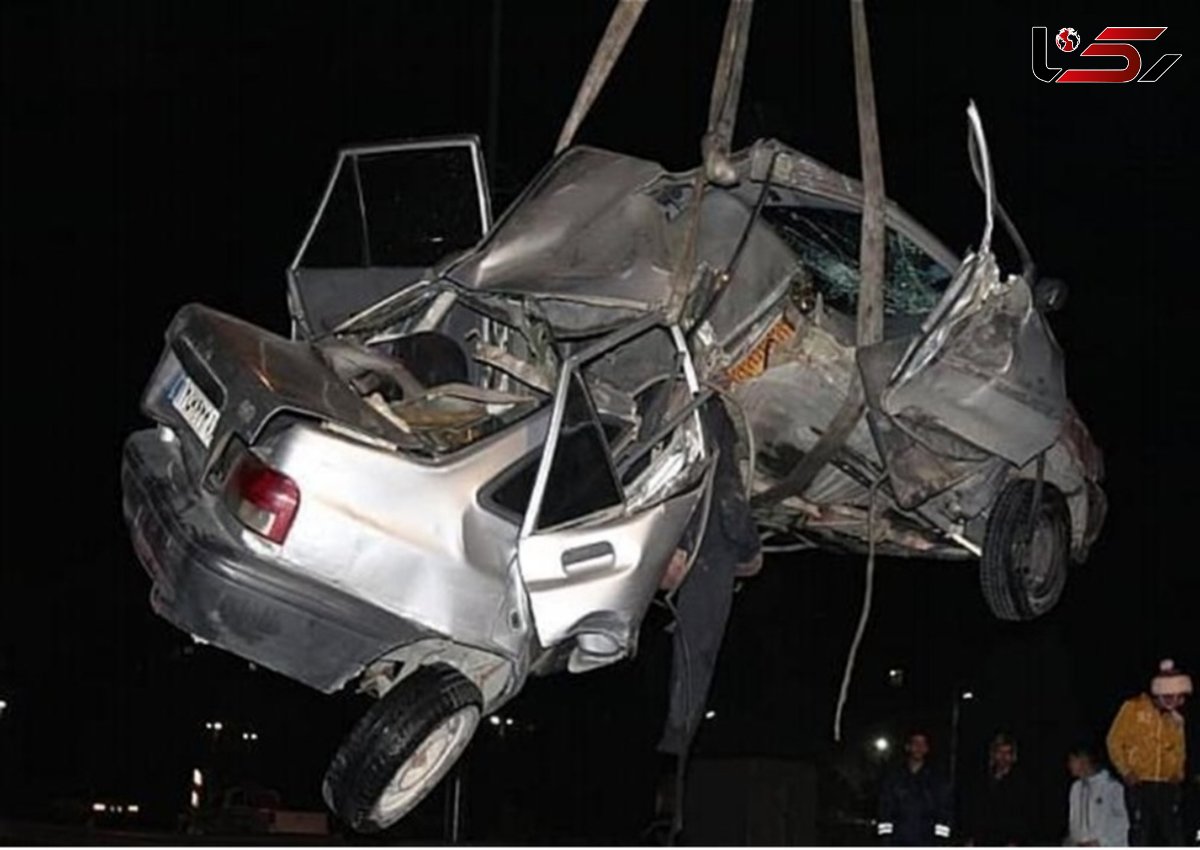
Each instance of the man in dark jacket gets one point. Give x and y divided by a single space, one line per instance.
729 547
1001 809
914 802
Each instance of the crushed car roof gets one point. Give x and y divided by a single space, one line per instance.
605 231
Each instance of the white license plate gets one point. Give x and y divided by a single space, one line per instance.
193 405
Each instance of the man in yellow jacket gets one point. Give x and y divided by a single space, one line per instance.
1146 745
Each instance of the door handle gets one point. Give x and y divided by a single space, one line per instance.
593 556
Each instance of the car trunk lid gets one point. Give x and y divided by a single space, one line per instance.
220 376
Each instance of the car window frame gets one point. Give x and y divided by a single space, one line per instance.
352 152
301 320
570 370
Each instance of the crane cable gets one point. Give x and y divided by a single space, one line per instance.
871 262
868 592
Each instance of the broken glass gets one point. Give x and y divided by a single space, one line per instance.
826 239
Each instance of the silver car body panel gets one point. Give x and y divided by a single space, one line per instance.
598 578
409 537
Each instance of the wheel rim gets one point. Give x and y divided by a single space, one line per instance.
426 766
1039 559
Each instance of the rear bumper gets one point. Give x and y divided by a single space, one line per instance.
209 585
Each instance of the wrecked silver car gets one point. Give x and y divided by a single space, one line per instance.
484 474
478 452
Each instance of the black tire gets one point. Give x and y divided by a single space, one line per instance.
1022 578
382 745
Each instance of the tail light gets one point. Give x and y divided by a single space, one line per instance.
263 499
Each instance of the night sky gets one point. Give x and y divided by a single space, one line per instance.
161 153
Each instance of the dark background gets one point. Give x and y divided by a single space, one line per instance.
159 153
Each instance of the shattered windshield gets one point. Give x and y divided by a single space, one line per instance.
827 242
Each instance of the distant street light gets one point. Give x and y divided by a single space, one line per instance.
495 720
882 745
710 714
116 808
896 677
508 721
968 695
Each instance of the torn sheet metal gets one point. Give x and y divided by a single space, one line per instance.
990 371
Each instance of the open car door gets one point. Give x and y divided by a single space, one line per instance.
613 494
982 379
389 213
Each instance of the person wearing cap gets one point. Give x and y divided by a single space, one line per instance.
1147 747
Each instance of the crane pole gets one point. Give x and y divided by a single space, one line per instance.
871 247
869 325
608 51
726 93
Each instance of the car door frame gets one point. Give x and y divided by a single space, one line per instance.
482 191
571 366
565 583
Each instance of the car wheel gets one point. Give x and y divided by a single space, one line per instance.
402 748
1023 576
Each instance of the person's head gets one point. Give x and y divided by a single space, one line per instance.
1002 754
1082 761
1170 688
916 746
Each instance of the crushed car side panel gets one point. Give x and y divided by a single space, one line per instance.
207 585
400 536
988 370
